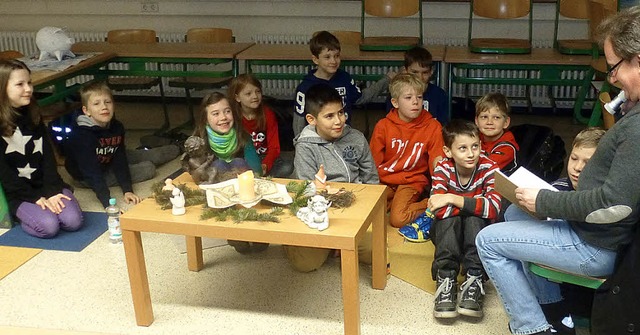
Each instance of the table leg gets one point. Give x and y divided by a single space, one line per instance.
138 280
194 253
350 291
379 245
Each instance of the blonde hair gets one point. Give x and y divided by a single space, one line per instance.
403 80
93 87
588 138
493 100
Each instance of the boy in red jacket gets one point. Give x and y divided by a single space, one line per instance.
498 143
406 145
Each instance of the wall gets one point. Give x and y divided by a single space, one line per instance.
443 21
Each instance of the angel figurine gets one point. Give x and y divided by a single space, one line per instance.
315 214
178 201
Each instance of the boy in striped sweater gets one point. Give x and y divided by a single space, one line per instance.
464 201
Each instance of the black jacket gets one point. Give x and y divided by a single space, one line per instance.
616 306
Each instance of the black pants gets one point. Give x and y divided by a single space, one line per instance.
455 241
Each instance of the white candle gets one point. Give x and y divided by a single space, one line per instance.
245 186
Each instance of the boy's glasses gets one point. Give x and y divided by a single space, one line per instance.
614 69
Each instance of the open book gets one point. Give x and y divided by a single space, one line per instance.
522 177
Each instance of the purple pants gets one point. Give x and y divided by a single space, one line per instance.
43 223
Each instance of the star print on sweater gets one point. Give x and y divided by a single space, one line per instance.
17 142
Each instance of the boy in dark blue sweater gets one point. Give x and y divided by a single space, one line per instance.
325 53
95 150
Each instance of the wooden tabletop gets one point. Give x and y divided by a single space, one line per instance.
347 53
541 56
344 224
42 77
168 50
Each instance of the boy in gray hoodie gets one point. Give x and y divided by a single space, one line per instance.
343 151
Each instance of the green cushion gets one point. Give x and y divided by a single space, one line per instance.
5 216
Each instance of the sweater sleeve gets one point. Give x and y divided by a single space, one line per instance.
305 162
371 92
120 166
299 121
83 150
487 204
608 180
53 183
368 169
273 139
377 143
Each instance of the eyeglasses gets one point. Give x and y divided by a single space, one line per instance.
614 69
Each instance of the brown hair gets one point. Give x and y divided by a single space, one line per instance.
457 127
93 87
201 126
236 86
491 100
8 114
402 80
588 138
418 55
323 40
318 96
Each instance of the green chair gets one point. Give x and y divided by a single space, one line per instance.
500 10
390 9
5 217
560 276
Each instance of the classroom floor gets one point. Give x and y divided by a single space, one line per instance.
65 293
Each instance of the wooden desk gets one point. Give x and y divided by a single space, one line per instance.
57 80
297 57
543 66
185 53
346 228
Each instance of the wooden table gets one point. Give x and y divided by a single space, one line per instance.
297 57
185 53
57 80
543 67
346 228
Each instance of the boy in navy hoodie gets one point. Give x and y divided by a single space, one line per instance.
95 151
325 54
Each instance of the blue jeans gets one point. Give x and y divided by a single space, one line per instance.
505 250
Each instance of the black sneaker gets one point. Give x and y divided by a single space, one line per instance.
472 295
446 295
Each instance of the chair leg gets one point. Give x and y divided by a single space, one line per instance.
165 110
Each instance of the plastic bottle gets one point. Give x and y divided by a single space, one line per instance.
113 221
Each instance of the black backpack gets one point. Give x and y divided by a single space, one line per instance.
541 151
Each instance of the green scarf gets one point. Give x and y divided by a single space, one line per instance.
222 145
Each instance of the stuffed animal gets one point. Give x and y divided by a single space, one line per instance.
204 167
54 42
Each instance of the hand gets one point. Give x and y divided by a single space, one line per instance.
527 197
437 201
54 203
391 74
264 169
131 198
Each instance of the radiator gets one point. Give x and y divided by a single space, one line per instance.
285 89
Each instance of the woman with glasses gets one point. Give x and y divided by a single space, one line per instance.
595 221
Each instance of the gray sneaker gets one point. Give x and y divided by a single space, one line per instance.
472 295
446 295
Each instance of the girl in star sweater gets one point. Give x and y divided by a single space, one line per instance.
37 195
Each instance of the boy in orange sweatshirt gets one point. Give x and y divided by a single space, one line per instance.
406 145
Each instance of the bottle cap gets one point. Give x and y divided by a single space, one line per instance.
112 201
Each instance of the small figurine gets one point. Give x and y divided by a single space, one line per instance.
168 185
315 214
55 42
178 201
197 161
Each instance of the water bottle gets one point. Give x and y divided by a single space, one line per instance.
113 221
